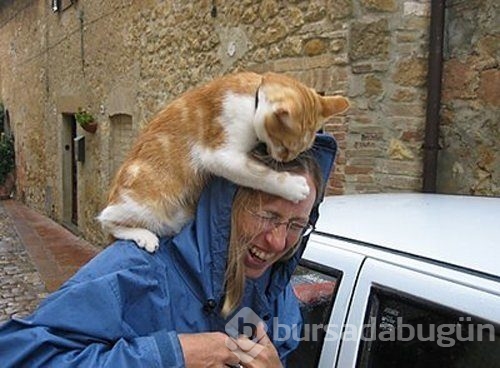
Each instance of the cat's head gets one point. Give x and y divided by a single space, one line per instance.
289 114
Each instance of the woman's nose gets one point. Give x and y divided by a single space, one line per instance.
276 238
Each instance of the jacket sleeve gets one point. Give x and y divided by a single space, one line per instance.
83 325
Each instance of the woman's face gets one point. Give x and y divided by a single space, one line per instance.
270 242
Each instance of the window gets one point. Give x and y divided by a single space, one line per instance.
121 138
315 287
403 331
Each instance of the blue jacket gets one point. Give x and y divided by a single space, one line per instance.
126 307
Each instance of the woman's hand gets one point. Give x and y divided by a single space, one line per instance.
207 350
260 353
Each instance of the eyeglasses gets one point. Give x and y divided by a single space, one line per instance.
294 229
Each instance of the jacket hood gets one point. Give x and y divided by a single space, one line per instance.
201 247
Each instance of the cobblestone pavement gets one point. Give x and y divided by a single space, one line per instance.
21 287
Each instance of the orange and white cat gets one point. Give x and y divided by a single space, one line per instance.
211 130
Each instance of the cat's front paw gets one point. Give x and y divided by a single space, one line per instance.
147 240
295 188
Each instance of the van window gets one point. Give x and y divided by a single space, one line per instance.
315 287
403 331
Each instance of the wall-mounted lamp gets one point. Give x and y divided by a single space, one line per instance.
80 148
55 6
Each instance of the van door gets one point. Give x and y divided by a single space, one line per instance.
404 318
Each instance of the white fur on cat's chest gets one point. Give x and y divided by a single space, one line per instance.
242 120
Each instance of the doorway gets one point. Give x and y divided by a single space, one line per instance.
69 171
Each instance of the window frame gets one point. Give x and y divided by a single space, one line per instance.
334 261
473 301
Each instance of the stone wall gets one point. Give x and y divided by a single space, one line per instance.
469 161
372 50
130 58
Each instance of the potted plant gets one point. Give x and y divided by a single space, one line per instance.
86 120
7 166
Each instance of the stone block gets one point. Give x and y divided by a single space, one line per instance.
339 9
413 8
411 72
404 95
368 67
489 87
460 81
268 9
373 86
399 151
369 40
315 46
405 109
315 12
379 5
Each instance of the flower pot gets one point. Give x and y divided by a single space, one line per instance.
90 127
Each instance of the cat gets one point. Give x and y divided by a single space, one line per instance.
210 130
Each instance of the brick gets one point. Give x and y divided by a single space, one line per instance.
366 179
354 170
399 182
413 136
397 167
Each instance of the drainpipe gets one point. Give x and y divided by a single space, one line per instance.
431 141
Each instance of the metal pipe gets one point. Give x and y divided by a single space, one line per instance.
431 141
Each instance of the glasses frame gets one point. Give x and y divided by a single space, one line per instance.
274 223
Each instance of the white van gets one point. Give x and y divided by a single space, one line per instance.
401 280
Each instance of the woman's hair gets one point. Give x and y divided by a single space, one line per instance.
250 198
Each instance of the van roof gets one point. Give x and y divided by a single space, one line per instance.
459 230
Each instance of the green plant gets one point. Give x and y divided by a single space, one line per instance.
83 117
7 157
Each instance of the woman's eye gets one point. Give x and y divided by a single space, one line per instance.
296 226
266 217
269 216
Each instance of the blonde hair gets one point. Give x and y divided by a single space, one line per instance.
250 198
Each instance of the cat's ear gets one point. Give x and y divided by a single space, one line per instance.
283 115
332 105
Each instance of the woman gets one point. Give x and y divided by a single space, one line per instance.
129 308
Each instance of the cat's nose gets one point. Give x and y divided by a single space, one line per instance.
288 156
276 154
284 154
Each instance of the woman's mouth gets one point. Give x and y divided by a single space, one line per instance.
260 255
